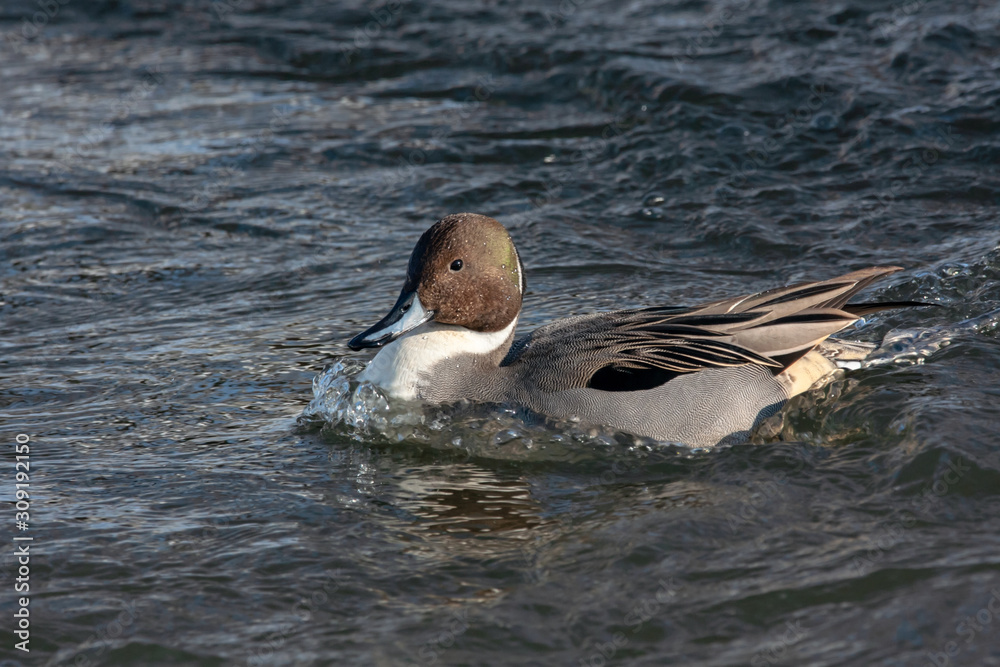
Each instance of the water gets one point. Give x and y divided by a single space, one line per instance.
203 202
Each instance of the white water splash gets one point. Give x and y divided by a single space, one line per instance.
338 399
914 346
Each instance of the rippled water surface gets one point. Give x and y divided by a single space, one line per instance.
201 202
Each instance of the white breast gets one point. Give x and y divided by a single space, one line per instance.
402 367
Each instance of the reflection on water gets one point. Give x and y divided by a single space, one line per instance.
466 499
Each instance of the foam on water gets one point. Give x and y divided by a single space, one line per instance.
903 347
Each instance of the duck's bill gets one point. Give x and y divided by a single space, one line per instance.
406 315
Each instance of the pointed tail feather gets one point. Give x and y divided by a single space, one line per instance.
862 309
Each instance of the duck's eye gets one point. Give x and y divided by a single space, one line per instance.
456 265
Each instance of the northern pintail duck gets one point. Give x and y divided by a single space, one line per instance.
702 376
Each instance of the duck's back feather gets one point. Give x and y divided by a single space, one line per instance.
635 350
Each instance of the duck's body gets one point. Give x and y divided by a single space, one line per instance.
701 375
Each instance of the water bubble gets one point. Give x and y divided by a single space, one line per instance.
825 122
511 436
732 131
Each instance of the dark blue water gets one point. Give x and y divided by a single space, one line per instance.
201 203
